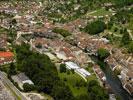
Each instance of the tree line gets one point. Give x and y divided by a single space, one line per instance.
43 73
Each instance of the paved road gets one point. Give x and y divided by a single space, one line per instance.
130 33
12 87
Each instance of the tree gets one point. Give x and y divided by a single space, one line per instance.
28 87
130 47
62 92
121 17
126 38
39 45
68 72
95 27
83 97
96 92
122 3
42 72
14 22
115 29
110 24
102 53
62 68
63 32
12 69
72 70
92 83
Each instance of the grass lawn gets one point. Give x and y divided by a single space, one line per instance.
5 68
101 12
92 77
3 30
72 80
46 96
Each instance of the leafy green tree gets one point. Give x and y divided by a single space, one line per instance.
68 72
12 69
40 69
28 87
83 97
102 53
62 68
39 45
122 3
62 92
130 47
63 32
95 27
109 25
96 92
126 38
121 17
72 70
14 22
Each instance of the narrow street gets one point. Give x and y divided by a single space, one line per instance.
130 33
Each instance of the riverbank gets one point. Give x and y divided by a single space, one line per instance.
113 80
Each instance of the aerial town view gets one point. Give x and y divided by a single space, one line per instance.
66 49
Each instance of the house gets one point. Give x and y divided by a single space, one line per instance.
3 42
8 10
99 73
127 80
24 79
71 65
21 79
126 76
80 71
129 88
90 43
6 58
112 63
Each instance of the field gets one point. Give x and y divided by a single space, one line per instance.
101 12
2 30
71 80
76 83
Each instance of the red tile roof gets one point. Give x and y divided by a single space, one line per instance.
6 54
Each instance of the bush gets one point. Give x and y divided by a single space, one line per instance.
102 53
130 47
72 70
28 87
68 72
63 32
65 79
62 68
42 72
39 45
95 27
96 92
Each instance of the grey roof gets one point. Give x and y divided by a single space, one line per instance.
22 77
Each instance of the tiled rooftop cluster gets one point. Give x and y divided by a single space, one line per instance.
6 58
102 78
92 44
67 51
117 59
3 42
124 63
29 16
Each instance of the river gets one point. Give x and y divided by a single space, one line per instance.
114 82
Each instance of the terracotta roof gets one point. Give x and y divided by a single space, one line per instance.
6 54
129 88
